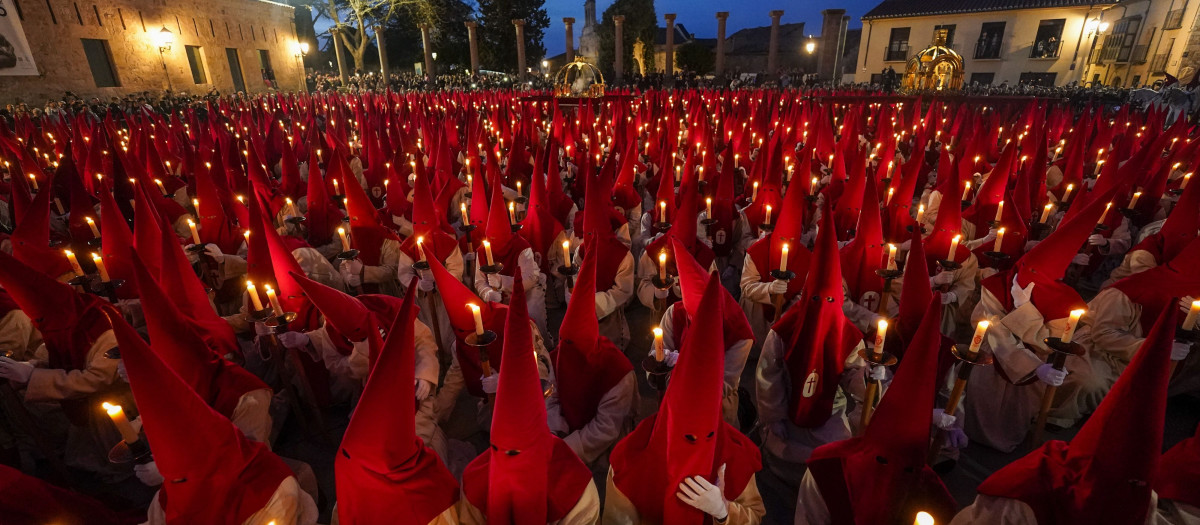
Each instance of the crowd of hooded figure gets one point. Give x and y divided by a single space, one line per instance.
902 276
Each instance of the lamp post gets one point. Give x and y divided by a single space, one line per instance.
301 52
164 38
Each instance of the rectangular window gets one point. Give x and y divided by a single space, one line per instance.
1048 41
1039 79
949 33
897 50
196 62
99 59
991 37
268 74
1128 36
983 79
235 69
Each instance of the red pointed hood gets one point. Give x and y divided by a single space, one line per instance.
427 226
687 436
202 456
115 245
915 290
499 228
178 280
180 345
31 239
1179 481
528 475
683 229
866 252
383 469
817 334
1105 474
1156 289
322 217
368 234
457 297
947 225
1181 226
693 280
26 500
343 313
883 474
586 364
539 226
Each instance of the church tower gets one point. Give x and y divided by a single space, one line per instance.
589 41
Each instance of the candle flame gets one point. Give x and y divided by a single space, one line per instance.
111 408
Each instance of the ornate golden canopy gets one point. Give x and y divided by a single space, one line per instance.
936 67
579 79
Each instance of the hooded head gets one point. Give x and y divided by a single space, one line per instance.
202 456
457 298
31 239
383 469
693 281
343 314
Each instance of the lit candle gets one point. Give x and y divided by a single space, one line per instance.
1105 214
977 339
783 258
273 299
195 234
254 299
662 266
336 191
74 262
519 188
1099 164
923 518
891 261
812 186
58 205
345 239
1067 194
999 239
421 248
658 344
754 192
99 261
92 225
1186 177
566 246
161 188
1047 211
1189 322
920 213
736 156
478 318
891 192
999 211
1072 322
33 181
462 210
662 211
1133 202
767 220
966 191
880 336
487 252
512 213
117 414
953 247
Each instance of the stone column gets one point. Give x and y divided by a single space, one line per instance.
773 45
520 25
619 48
719 67
669 52
383 63
472 27
829 54
337 50
570 25
429 73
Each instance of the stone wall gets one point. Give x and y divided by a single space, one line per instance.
55 28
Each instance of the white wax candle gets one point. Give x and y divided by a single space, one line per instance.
754 192
421 248
74 262
880 336
1046 212
891 260
977 339
953 247
273 299
783 258
1133 202
478 318
999 211
1189 322
1067 194
512 213
344 238
1072 322
920 213
1105 214
966 191
662 266
92 225
487 252
708 207
117 414
658 344
252 291
195 234
767 220
999 239
662 211
99 261
566 246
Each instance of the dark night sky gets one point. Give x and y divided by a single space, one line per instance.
699 16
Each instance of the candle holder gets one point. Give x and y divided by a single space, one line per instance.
81 281
999 259
658 374
1175 191
347 255
994 224
95 242
909 229
1099 228
662 227
107 289
766 227
812 199
962 353
1131 213
659 283
521 199
868 400
111 353
1187 336
295 220
569 272
948 265
1060 351
492 269
1064 206
1042 230
966 204
420 266
195 248
338 200
708 222
279 323
515 228
887 181
260 316
467 228
783 275
125 453
884 358
889 273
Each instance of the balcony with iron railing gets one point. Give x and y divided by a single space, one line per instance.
896 53
1045 49
1174 19
987 49
1159 63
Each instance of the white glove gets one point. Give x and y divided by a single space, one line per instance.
704 496
956 437
148 474
879 373
1081 259
943 420
670 357
991 236
1098 240
213 251
293 340
778 287
705 241
660 293
1185 304
567 294
1049 375
842 244
492 296
1021 295
351 271
942 279
489 383
506 283
423 388
469 256
425 284
121 372
949 298
1179 351
15 371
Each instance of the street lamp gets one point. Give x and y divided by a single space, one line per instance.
164 38
810 47
301 52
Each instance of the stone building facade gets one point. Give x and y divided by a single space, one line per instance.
109 48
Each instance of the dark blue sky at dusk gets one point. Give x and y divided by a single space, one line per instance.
700 16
